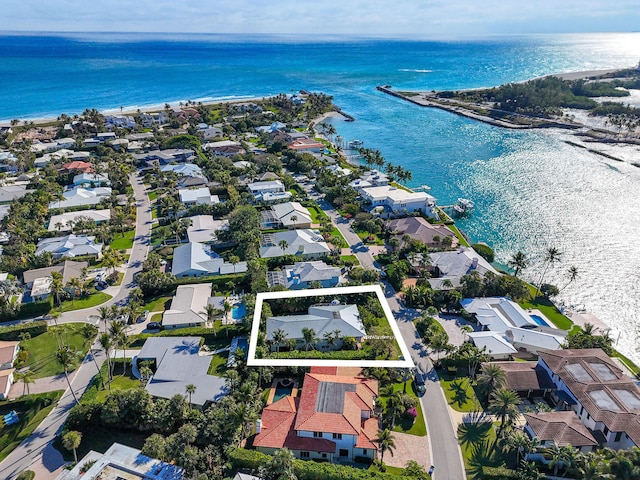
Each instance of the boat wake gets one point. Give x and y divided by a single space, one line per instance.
417 70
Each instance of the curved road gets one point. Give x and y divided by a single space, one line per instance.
37 452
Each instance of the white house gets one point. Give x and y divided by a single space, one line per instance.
204 229
398 200
70 246
288 214
197 196
189 174
188 307
301 275
197 259
81 197
91 180
65 221
269 191
304 243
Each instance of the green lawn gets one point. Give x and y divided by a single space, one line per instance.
158 304
156 317
376 239
119 382
123 241
416 427
92 300
42 349
316 214
336 233
31 410
350 259
476 442
547 308
218 364
461 239
459 393
153 195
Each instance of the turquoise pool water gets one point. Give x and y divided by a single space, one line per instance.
539 320
238 312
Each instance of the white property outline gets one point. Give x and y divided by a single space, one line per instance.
300 362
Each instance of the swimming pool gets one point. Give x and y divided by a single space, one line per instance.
539 320
238 311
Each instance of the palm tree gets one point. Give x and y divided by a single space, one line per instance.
394 406
56 285
118 332
89 332
71 441
294 219
66 358
190 390
309 335
492 378
227 308
107 344
281 466
283 244
573 273
75 287
105 316
234 260
385 441
27 378
504 403
518 262
279 337
552 255
211 312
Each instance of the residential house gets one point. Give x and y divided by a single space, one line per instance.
306 145
60 154
65 221
204 229
303 243
448 268
591 385
288 215
301 275
322 319
360 184
119 121
506 319
211 133
338 170
397 201
9 193
138 137
275 126
8 353
164 157
198 259
121 462
418 228
91 180
197 196
39 147
189 174
558 428
81 197
148 120
6 380
529 379
376 178
188 307
77 166
331 420
68 269
224 148
70 246
269 191
176 363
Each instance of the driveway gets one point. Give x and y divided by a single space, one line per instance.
409 447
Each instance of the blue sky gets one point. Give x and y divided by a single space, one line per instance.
355 17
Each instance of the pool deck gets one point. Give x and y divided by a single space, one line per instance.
274 385
538 313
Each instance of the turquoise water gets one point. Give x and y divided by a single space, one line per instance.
531 190
238 312
539 320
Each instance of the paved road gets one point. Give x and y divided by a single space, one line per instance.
139 252
36 452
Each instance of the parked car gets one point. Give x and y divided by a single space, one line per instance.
418 384
143 316
153 326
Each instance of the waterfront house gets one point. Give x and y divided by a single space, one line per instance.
81 197
188 307
148 120
595 389
303 243
506 320
338 170
306 145
288 215
198 259
376 178
197 196
301 275
452 266
397 201
418 228
119 121
204 229
331 420
176 362
64 222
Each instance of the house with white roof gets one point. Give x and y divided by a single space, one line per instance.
301 275
65 221
376 178
197 259
303 243
338 170
197 196
9 193
288 215
269 191
189 174
81 197
322 319
188 307
120 121
204 229
452 266
224 148
70 246
91 180
506 319
398 201
176 362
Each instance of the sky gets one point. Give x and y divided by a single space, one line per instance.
425 18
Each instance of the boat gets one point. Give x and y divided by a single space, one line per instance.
463 206
356 144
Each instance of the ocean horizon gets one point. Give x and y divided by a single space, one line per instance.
531 189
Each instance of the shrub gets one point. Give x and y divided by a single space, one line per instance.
12 332
26 475
484 251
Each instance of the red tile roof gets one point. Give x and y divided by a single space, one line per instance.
78 165
368 433
562 428
304 144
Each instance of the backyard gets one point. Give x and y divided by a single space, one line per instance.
459 392
96 298
405 424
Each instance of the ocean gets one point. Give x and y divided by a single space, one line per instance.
531 189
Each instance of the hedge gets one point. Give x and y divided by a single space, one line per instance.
333 355
26 475
305 469
240 280
499 473
12 332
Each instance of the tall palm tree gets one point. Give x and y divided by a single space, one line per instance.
518 262
71 441
107 345
279 337
66 359
394 406
385 441
309 336
75 286
492 378
573 273
105 316
504 403
283 244
294 219
190 390
552 255
227 309
27 378
211 312
56 285
89 333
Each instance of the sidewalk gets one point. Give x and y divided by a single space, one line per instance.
42 385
